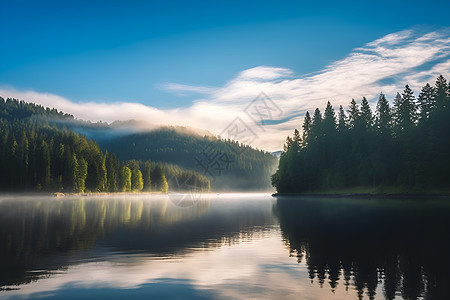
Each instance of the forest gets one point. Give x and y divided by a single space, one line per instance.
228 164
400 147
39 153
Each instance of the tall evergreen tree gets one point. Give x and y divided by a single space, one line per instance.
296 137
383 116
147 177
125 179
441 93
315 131
74 173
405 113
366 114
342 120
329 121
306 127
82 175
287 144
137 183
353 114
426 102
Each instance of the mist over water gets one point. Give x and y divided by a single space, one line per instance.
223 246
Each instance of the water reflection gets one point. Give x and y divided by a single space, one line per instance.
48 234
401 244
228 246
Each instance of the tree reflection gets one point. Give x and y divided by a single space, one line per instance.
42 233
402 244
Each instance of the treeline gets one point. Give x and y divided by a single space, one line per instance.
403 146
236 167
38 153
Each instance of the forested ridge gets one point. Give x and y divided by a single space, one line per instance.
403 146
38 152
237 167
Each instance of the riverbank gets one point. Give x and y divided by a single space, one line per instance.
367 192
59 194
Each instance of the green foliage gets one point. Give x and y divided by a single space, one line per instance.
249 168
406 147
158 178
81 175
38 152
137 183
147 176
125 179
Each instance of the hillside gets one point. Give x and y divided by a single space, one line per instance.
38 152
45 144
228 164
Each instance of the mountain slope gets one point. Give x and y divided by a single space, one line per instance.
228 164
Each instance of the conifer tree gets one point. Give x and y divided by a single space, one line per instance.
137 183
426 102
74 172
383 116
366 114
342 120
353 114
306 127
82 175
441 93
316 126
125 179
405 111
147 177
329 120
296 138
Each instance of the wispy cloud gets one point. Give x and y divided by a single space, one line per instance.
384 65
188 88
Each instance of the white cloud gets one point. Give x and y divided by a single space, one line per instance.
264 73
188 88
384 65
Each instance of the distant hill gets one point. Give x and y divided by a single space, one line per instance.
40 150
228 164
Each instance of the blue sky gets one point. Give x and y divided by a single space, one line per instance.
171 56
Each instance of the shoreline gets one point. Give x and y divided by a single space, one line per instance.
362 195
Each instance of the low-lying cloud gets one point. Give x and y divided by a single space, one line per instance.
385 65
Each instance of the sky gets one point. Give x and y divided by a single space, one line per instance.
217 64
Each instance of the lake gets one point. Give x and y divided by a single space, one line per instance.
227 246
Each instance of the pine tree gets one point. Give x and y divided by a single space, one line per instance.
159 179
147 177
137 183
353 114
24 152
74 172
112 170
296 138
125 179
102 173
306 127
441 93
342 120
405 110
366 114
316 126
82 175
383 116
287 144
46 165
329 121
426 102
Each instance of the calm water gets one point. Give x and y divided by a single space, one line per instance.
224 246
